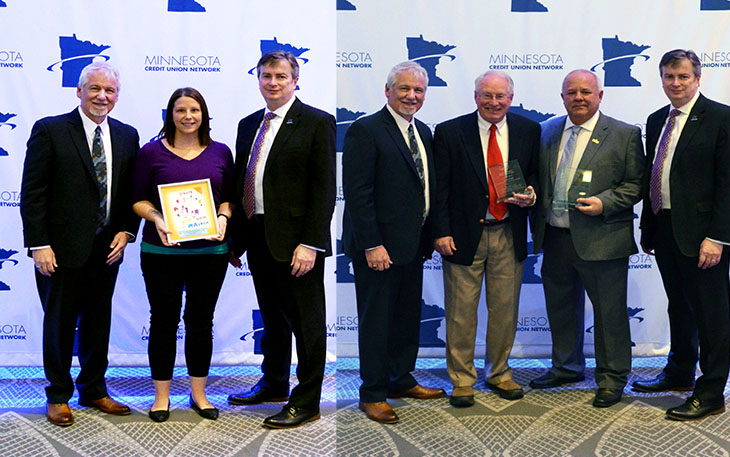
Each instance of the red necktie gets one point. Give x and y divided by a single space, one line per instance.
494 157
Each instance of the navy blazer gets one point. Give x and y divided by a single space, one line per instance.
384 197
699 179
462 199
59 196
299 181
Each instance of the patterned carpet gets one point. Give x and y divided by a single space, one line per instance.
24 430
554 422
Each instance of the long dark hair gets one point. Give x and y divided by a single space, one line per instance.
168 128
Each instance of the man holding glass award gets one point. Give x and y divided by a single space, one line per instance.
481 229
590 171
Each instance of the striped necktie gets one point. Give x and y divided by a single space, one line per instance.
99 159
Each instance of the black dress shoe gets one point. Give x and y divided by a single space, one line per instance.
161 415
257 395
607 397
291 417
461 401
661 384
207 413
550 379
694 409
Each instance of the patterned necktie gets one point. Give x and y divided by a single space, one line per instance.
560 193
249 184
99 159
494 157
416 155
655 182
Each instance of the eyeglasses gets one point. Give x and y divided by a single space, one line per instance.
489 97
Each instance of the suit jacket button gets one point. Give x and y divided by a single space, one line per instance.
487 196
481 221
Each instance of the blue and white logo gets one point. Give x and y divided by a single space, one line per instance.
185 6
75 55
275 45
3 4
714 5
258 331
5 258
4 118
432 317
528 6
618 58
10 59
345 5
532 273
633 314
9 198
345 118
429 54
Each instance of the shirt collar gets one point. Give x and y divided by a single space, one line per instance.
282 110
400 121
484 124
589 125
686 108
90 126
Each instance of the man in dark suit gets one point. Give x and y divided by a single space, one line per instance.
388 178
587 246
686 220
285 168
77 220
479 236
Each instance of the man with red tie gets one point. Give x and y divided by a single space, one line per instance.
480 238
685 221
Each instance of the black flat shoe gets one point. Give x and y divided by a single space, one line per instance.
291 417
207 413
662 384
161 415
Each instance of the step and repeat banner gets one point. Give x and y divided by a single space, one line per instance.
158 46
536 42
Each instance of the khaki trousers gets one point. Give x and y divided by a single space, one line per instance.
495 264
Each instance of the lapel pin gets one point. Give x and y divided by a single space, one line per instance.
693 118
595 140
289 121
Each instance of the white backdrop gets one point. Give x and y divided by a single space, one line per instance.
158 46
537 42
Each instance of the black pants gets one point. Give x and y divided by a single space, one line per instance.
699 315
289 305
165 277
84 296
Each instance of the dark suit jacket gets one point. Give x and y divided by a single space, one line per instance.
59 196
384 198
462 199
299 181
699 179
615 155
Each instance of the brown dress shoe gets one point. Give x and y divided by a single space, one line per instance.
379 412
108 405
421 392
59 414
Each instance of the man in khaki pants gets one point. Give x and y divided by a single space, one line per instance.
480 238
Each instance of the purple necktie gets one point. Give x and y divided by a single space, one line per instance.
249 184
655 182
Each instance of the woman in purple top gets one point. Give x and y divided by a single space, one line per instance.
183 152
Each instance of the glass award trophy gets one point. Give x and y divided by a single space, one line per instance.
580 188
508 180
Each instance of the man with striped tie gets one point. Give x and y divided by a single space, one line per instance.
587 240
77 220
